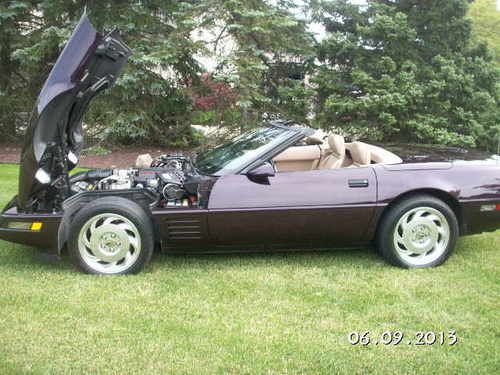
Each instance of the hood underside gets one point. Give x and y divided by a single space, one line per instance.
88 64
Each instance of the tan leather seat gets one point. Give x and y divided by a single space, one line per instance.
360 154
334 155
298 158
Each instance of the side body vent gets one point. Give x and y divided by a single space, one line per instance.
184 229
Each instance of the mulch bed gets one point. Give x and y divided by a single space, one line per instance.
9 153
118 158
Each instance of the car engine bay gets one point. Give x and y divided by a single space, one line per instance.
172 179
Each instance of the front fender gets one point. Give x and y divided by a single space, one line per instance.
72 205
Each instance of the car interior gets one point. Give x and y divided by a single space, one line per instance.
333 153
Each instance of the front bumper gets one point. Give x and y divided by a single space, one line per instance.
16 227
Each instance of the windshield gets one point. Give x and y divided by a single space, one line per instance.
238 152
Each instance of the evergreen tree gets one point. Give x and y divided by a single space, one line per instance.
273 54
153 106
406 70
155 90
392 69
486 24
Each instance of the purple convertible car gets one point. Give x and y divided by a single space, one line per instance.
275 187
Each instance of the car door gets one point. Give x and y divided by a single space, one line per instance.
331 206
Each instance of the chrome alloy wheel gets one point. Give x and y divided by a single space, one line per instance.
421 236
109 243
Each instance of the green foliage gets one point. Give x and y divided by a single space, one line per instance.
152 94
271 45
407 71
153 105
390 70
486 24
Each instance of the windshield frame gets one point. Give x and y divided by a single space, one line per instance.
296 133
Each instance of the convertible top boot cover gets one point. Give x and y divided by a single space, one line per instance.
88 64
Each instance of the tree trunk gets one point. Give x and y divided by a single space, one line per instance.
7 115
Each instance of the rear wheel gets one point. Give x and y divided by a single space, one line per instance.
418 232
111 236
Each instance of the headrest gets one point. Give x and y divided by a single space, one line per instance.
360 153
336 144
382 156
313 140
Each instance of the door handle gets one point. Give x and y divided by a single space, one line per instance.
358 183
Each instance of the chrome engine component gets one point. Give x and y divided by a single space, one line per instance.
173 176
153 183
173 181
81 186
120 179
168 183
172 162
173 191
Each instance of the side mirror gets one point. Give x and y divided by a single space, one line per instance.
262 171
261 174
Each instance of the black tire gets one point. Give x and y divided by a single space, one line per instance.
139 227
388 229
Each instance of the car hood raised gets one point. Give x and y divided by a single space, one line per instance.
88 64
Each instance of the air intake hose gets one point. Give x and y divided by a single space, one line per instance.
94 174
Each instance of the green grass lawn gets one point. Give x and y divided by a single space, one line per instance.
265 313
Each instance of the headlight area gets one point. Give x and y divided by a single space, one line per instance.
38 230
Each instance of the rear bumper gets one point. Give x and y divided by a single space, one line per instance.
11 221
477 220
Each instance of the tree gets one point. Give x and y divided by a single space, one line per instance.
214 101
486 24
13 16
154 105
273 52
154 92
392 69
406 70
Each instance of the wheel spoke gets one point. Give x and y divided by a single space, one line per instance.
399 238
434 218
93 226
405 222
442 230
134 242
128 257
109 220
125 227
86 240
93 257
110 264
420 213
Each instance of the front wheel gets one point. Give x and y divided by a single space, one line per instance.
111 236
418 232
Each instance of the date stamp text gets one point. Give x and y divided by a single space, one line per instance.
418 338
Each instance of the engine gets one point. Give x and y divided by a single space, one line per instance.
167 179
